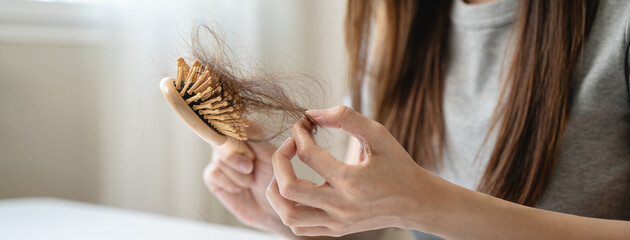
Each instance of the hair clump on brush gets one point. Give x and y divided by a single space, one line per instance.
220 92
206 93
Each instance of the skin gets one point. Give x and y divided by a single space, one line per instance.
241 183
378 186
385 188
382 188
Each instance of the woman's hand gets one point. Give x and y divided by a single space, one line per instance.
376 192
386 188
240 184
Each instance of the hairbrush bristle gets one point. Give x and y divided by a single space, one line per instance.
213 100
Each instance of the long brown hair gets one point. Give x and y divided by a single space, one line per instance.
407 82
263 95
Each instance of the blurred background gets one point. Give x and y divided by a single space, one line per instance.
82 115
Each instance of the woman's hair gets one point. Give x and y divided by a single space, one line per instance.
407 83
264 95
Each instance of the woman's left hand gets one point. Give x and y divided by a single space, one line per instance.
380 190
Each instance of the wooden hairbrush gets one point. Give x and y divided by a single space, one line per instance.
209 106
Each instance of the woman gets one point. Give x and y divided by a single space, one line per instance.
501 120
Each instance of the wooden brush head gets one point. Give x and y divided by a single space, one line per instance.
206 103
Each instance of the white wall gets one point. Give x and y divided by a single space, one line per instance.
82 117
50 71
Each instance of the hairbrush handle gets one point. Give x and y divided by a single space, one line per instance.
198 125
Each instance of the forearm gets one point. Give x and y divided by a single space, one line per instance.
467 214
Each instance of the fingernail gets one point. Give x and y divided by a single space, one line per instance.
244 166
314 113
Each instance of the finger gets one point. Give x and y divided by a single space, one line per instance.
314 156
314 231
235 204
242 180
281 161
214 177
347 119
291 187
238 162
293 215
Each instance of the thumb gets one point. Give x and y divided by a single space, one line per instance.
352 122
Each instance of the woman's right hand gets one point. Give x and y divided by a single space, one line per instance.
240 183
243 192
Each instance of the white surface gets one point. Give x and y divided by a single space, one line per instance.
46 218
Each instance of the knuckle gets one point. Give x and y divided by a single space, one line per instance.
210 174
215 173
342 111
269 193
275 156
231 159
298 231
290 218
214 157
288 190
378 127
304 153
337 226
296 127
345 213
241 180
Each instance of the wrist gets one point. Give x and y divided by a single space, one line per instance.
433 201
454 212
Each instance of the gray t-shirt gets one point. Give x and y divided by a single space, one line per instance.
592 177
